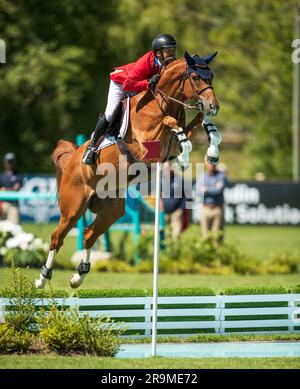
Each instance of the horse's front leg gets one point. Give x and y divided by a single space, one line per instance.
183 143
214 138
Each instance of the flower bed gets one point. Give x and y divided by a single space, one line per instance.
20 247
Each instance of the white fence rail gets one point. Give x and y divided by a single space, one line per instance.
186 315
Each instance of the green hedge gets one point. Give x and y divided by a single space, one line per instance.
144 292
294 289
57 293
89 293
245 290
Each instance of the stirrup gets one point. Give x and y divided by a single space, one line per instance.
90 156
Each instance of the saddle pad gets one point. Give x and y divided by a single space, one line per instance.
109 139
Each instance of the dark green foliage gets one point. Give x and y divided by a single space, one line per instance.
192 254
53 328
64 331
294 289
23 258
21 294
13 341
60 54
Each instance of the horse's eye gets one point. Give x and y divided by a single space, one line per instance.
195 78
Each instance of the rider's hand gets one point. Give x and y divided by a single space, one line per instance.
153 80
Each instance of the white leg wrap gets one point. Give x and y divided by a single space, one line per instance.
215 139
50 259
215 136
86 255
77 279
184 157
41 281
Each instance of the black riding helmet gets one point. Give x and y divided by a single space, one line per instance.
162 41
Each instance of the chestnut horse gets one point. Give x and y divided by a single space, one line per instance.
154 115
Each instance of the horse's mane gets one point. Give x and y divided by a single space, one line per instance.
144 97
170 66
174 63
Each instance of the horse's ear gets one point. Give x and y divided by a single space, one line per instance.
189 59
210 57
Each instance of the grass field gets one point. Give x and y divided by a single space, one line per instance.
84 362
258 241
96 280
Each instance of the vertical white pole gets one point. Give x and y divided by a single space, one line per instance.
156 255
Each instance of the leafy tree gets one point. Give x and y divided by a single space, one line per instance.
60 54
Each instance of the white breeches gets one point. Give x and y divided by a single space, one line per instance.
115 95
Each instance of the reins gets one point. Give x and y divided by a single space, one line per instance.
165 97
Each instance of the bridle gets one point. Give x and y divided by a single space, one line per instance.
184 76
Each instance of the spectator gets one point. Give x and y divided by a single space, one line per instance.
10 180
211 188
173 200
260 176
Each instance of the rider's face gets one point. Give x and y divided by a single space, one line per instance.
168 52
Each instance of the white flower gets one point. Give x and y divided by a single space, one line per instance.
11 243
24 246
26 237
37 242
45 247
22 240
7 226
3 250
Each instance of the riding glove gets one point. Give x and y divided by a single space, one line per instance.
153 80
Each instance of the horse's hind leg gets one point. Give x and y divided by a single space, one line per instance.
72 207
110 210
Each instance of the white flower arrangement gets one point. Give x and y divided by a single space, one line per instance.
21 247
7 226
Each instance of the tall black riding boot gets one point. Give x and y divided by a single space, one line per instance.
90 155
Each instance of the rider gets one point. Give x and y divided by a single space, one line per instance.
134 77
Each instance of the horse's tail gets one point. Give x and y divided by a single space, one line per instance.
61 157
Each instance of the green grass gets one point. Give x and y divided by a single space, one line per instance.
132 280
258 241
87 362
262 241
219 338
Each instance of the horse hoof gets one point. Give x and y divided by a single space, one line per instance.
212 160
76 280
40 283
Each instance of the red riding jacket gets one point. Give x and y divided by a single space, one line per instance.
134 76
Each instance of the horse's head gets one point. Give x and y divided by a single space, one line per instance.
199 86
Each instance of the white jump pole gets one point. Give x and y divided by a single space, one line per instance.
156 257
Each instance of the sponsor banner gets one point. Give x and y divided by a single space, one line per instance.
245 202
260 203
36 210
